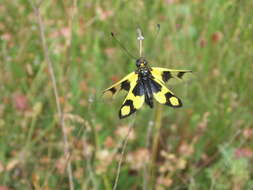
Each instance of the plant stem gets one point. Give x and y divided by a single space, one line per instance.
122 156
155 144
55 90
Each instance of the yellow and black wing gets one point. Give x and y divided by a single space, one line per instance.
163 95
124 84
164 75
134 99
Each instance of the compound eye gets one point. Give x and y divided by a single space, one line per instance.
138 64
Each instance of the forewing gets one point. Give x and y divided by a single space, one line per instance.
125 84
173 76
133 101
163 95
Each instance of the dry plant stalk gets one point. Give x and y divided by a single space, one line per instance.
55 90
122 156
146 169
155 144
140 38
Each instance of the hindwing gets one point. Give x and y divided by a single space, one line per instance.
163 95
133 101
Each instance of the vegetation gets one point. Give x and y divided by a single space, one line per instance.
73 140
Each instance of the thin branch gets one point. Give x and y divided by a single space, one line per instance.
55 90
122 155
145 170
155 144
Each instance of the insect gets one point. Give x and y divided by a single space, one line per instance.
144 85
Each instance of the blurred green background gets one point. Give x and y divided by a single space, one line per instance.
207 144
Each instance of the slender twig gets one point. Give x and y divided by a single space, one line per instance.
71 20
55 90
155 144
145 170
140 38
122 156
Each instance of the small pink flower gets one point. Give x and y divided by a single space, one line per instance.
104 14
202 42
170 1
65 32
110 52
248 133
109 142
243 152
6 36
4 188
122 132
217 37
20 102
